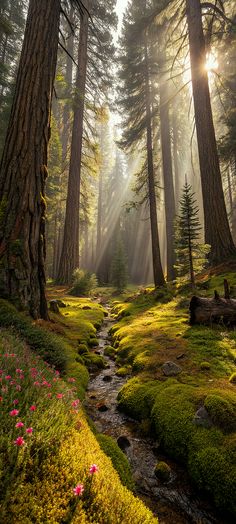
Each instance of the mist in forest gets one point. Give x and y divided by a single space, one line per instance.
143 102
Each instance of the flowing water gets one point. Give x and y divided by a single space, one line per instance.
175 502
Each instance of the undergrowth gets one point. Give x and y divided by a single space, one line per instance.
152 329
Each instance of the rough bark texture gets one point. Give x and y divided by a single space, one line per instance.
167 164
212 310
69 260
23 167
156 257
217 231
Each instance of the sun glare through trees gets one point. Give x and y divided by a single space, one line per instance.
117 261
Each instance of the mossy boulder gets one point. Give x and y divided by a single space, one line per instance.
137 399
162 471
123 371
212 470
118 458
221 411
93 342
109 351
93 361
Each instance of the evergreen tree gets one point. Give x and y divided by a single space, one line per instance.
136 102
23 168
119 267
190 253
95 55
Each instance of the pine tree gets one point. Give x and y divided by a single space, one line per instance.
136 103
119 267
190 253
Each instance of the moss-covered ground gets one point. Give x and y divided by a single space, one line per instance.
153 328
46 444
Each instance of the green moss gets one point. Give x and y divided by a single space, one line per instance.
232 378
123 371
109 351
212 470
93 342
221 411
172 415
50 347
162 471
137 399
205 366
93 361
82 348
118 458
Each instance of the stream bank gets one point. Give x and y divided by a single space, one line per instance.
173 501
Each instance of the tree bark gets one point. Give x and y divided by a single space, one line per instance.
69 260
100 197
23 168
67 106
176 160
169 196
156 257
217 231
212 310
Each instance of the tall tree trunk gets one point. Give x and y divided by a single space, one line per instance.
67 105
217 231
69 260
167 162
176 160
156 257
23 168
99 211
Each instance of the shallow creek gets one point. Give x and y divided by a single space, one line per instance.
175 502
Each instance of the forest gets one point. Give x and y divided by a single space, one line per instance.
117 261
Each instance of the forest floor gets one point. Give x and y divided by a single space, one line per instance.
47 446
153 329
150 328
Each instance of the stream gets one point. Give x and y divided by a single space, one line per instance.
175 501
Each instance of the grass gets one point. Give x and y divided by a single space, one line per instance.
39 472
153 328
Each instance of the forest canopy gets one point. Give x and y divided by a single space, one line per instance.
99 134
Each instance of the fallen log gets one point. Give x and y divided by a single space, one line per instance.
213 310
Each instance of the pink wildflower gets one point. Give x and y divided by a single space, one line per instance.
19 425
60 395
14 412
29 431
78 490
1 371
18 370
15 401
1 399
8 377
93 469
19 441
33 408
18 387
21 377
71 379
75 403
36 383
49 395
